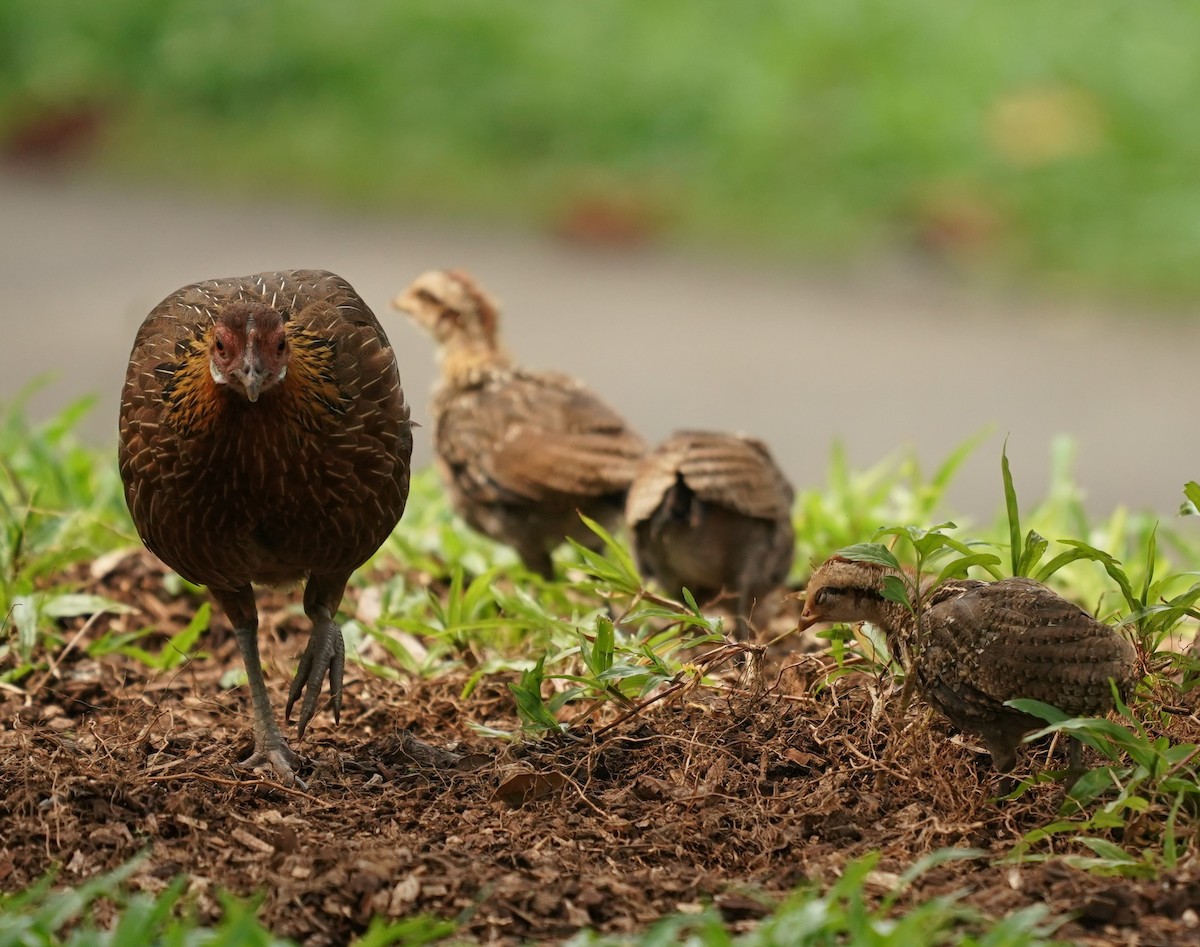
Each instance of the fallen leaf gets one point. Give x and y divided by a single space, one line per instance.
523 788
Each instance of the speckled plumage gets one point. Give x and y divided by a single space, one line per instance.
305 482
711 512
984 643
521 453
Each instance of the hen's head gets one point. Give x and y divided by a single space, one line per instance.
451 307
248 349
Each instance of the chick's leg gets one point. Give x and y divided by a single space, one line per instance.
270 748
745 602
537 560
325 654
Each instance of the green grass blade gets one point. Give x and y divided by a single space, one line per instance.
1011 508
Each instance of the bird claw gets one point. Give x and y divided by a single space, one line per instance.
326 653
281 758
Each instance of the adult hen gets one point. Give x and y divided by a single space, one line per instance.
521 453
264 438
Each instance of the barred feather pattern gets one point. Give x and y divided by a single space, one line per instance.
984 643
309 479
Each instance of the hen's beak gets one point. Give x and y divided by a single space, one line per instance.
250 374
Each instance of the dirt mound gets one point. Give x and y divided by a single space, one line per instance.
736 794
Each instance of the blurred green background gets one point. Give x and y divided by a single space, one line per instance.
1047 143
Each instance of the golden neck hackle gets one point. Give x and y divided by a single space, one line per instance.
308 397
467 361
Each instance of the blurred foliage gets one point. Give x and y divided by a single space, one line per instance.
43 916
1044 139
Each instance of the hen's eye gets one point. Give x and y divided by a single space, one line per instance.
220 347
282 345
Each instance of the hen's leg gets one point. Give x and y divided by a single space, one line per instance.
270 748
325 654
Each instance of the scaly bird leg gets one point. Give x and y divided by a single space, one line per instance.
270 748
537 559
325 654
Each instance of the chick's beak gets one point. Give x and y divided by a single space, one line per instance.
807 617
401 302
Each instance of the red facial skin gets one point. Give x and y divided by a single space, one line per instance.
249 346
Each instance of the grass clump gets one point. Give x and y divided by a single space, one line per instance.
103 913
60 505
842 915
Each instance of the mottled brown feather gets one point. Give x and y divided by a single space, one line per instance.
985 643
300 475
711 512
730 470
312 478
521 453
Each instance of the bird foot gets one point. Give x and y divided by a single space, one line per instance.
325 654
281 758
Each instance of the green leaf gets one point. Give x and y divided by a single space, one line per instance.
690 601
531 707
1151 555
896 590
1091 785
1038 708
1106 849
930 541
1191 493
178 648
71 605
926 862
1111 565
958 567
23 613
1014 514
1035 547
598 655
1062 559
619 569
876 553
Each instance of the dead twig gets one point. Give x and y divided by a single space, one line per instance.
239 784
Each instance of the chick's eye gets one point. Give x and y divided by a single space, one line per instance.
821 597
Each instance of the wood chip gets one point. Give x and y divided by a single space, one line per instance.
252 842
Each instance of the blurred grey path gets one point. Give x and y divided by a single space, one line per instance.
880 362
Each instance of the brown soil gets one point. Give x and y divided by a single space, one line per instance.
733 794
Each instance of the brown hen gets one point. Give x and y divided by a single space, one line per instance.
264 438
983 643
521 453
711 513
